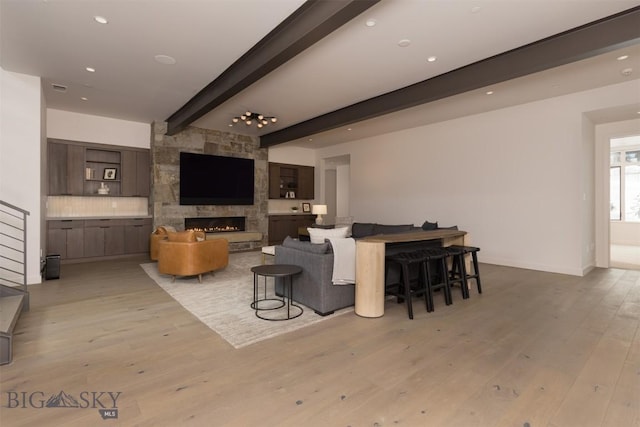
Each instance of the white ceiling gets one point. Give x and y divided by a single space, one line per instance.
57 39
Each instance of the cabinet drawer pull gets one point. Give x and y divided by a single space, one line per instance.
67 228
104 226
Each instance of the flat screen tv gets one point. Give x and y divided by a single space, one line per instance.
215 180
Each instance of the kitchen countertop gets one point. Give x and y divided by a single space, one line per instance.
289 213
62 218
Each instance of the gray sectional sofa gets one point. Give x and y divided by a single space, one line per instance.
313 287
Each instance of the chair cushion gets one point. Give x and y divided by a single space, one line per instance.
319 234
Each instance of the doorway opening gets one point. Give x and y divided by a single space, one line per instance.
624 202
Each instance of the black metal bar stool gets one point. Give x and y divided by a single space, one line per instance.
476 271
438 279
458 270
408 286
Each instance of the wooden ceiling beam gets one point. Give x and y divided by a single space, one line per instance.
310 23
598 37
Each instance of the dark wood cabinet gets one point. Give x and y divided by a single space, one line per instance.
281 226
85 169
65 238
136 237
287 180
65 169
76 239
135 173
104 237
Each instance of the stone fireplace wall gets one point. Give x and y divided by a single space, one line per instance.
165 160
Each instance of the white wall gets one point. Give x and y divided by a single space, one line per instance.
516 179
20 156
292 155
101 130
343 184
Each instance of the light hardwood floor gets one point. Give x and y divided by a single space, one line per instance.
535 349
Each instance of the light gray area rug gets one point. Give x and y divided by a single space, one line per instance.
222 301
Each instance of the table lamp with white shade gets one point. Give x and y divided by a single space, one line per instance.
319 210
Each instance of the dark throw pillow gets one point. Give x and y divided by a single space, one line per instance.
361 229
429 226
392 229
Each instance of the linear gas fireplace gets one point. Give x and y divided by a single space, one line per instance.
215 225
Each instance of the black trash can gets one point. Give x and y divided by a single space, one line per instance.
52 267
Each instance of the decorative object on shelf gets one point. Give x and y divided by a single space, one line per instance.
110 173
249 118
294 209
319 210
306 207
104 189
290 195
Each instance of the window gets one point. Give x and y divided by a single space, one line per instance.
624 180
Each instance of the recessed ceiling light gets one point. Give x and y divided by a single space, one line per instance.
310 139
84 98
100 19
622 58
90 69
404 42
349 129
489 92
432 59
165 59
627 71
370 22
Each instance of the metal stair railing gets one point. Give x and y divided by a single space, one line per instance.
13 247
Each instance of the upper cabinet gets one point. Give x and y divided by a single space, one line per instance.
135 173
84 169
291 181
65 169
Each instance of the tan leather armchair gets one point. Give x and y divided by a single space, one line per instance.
181 254
161 233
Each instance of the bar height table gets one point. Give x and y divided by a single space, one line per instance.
370 253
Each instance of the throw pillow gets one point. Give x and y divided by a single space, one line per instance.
182 236
306 246
164 229
319 234
391 229
429 225
361 229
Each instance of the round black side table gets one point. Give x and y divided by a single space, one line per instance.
285 271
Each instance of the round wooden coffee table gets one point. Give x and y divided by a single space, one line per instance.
286 271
